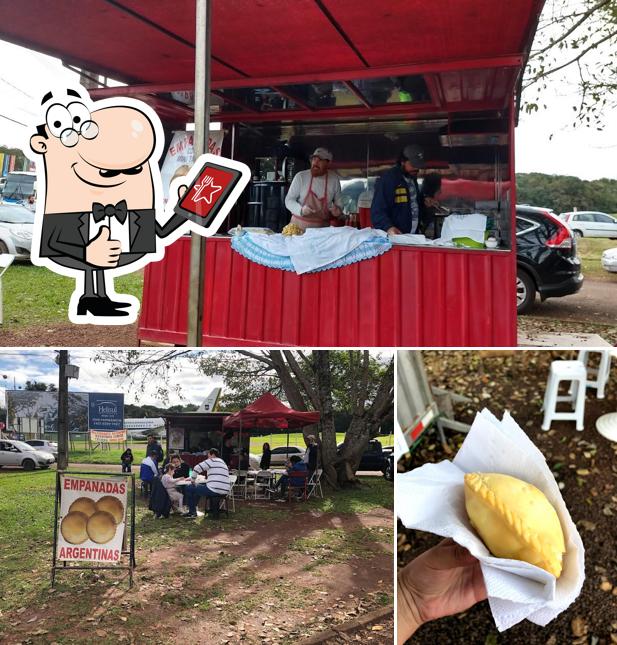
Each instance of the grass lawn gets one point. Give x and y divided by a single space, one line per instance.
81 454
590 251
37 296
200 575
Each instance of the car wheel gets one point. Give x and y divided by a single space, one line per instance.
577 234
3 247
525 292
387 473
28 464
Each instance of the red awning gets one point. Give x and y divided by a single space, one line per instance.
268 412
470 52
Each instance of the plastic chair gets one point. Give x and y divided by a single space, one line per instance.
263 483
241 487
314 484
575 372
300 477
601 373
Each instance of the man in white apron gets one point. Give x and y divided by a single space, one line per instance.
315 194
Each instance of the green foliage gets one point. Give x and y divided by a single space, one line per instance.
36 386
563 193
575 42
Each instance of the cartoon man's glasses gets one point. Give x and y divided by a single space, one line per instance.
69 122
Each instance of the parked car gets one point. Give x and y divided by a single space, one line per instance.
373 458
44 445
591 224
21 454
16 224
280 456
609 260
546 260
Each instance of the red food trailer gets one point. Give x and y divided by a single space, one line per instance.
362 78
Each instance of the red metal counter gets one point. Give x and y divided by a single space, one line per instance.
408 297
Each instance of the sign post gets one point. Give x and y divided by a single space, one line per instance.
92 522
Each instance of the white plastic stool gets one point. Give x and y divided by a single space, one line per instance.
575 372
602 373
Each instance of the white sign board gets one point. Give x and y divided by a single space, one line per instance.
180 156
92 518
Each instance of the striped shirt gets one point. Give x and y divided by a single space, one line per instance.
217 475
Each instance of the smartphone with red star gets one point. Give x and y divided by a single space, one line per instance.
208 192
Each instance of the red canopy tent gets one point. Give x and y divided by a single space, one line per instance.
268 412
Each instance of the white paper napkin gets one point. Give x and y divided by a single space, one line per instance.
431 498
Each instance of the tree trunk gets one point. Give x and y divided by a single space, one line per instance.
356 442
328 433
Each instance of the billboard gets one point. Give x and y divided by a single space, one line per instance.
106 417
35 413
31 411
92 518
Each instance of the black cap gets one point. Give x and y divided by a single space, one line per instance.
415 155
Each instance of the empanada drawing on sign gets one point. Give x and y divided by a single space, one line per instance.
515 520
84 505
101 527
113 506
73 527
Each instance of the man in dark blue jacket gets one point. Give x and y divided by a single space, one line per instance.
397 205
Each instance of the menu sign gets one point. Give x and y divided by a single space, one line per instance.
92 518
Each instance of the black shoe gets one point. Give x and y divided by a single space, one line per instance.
116 304
189 514
98 307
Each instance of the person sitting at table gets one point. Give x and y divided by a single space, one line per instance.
148 471
294 465
216 486
266 457
169 483
181 468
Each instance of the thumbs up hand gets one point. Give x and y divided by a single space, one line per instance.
102 251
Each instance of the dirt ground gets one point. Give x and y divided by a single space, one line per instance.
69 335
254 584
583 462
595 302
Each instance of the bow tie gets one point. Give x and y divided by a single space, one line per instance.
118 211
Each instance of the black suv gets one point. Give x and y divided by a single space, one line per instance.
546 259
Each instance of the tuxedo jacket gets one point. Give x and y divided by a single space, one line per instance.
66 235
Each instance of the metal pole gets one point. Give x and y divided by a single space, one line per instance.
63 410
203 27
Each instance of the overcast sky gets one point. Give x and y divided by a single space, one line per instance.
25 76
19 366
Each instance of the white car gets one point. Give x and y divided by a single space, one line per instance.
279 457
609 260
16 224
591 224
22 455
44 446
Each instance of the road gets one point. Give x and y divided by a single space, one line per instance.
596 302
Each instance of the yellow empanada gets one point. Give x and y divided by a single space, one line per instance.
515 520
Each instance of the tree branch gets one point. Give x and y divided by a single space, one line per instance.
574 27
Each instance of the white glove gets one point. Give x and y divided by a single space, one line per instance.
306 211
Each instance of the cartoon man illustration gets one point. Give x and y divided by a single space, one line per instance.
101 189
